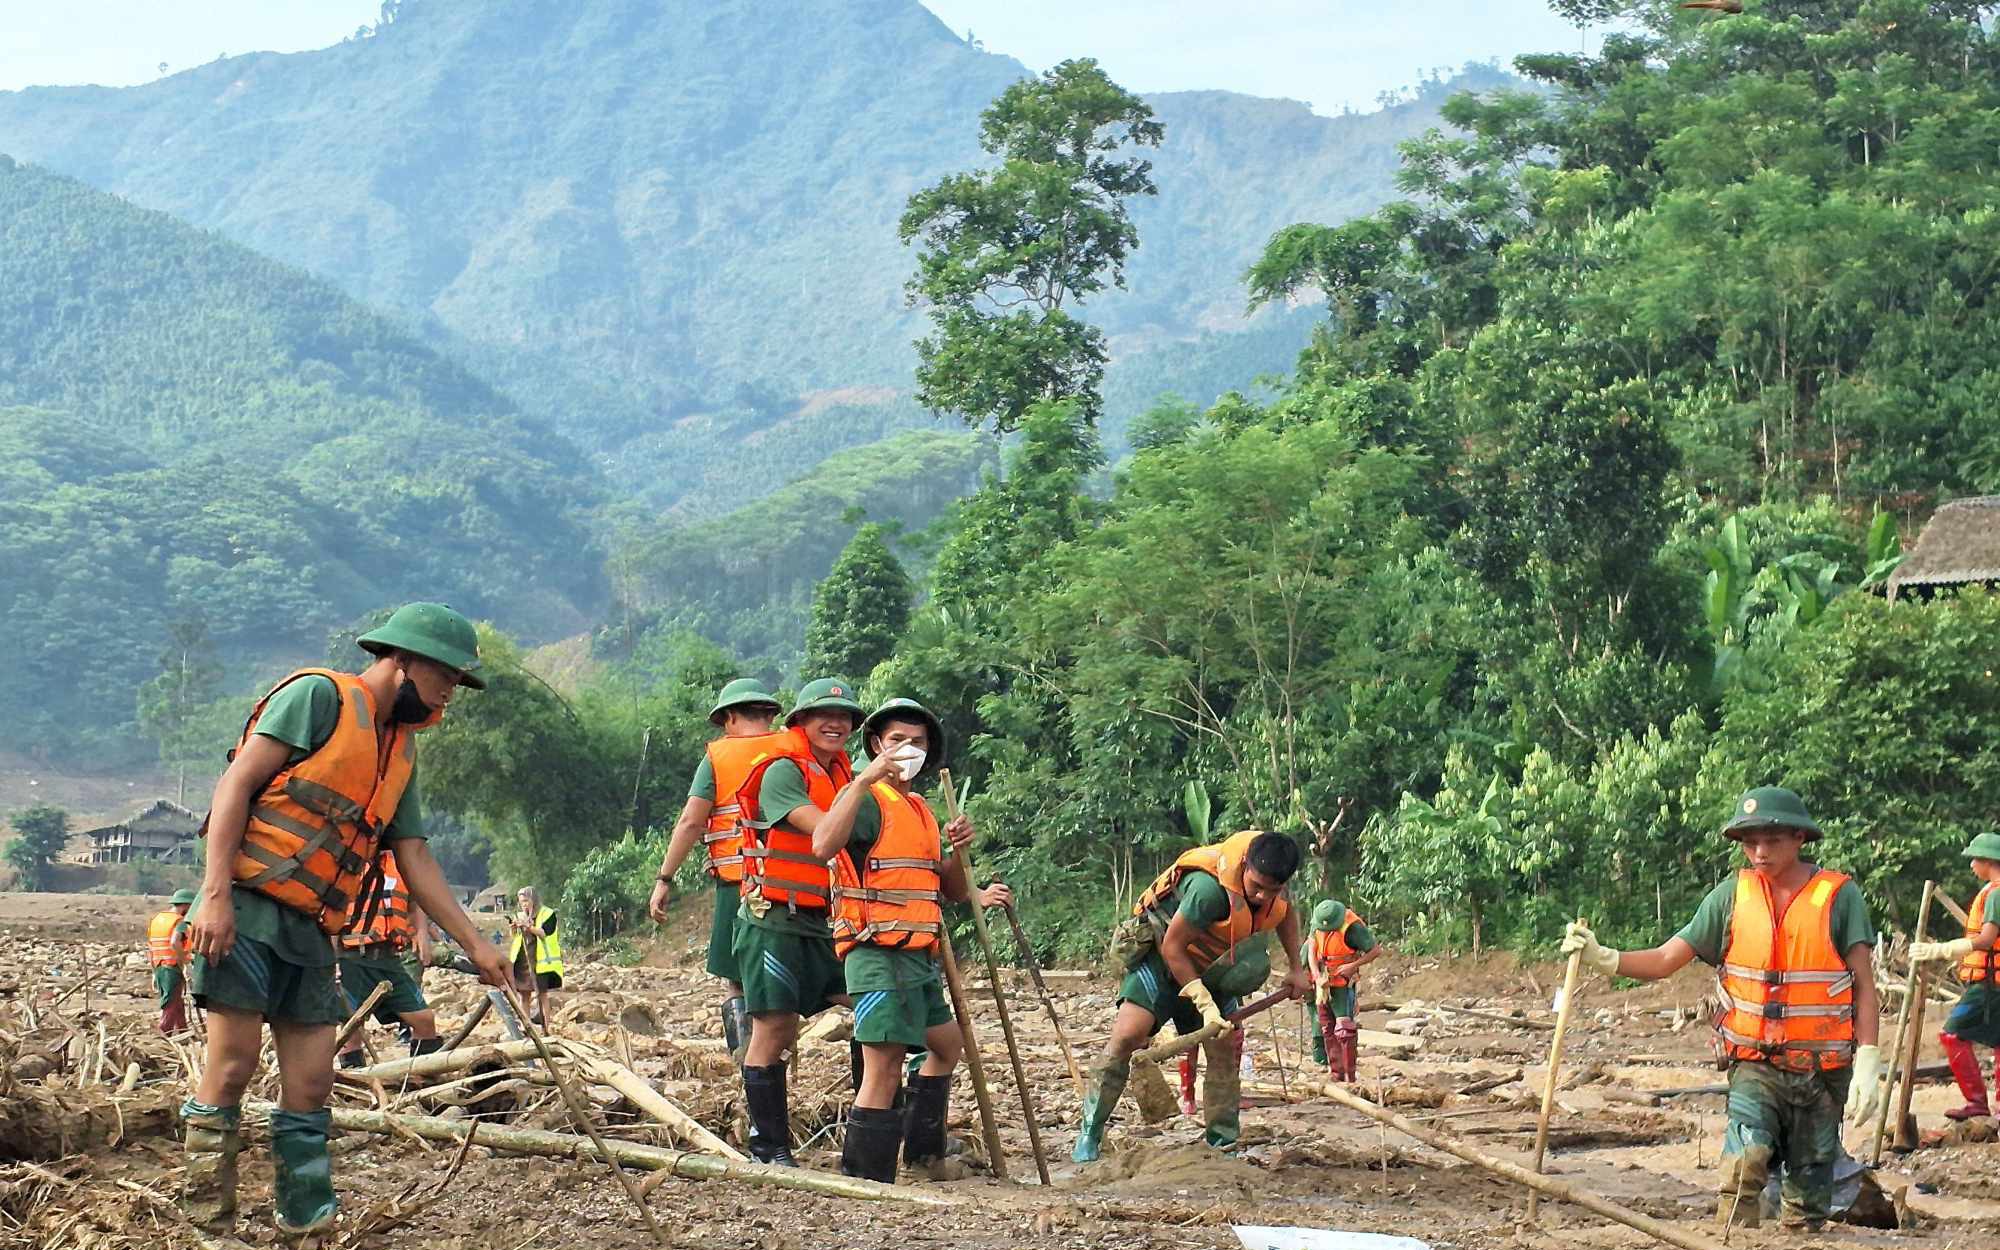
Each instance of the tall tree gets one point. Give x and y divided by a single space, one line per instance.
860 610
39 833
1004 251
177 706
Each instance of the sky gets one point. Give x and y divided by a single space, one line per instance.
1333 54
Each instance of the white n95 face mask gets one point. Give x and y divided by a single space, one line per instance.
909 760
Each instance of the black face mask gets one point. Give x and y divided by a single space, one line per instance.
410 708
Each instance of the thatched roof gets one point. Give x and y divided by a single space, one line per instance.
1960 545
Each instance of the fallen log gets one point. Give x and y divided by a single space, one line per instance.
1492 1082
1522 1176
651 1101
686 1164
437 1063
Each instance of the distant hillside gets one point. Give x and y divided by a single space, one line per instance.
187 428
659 223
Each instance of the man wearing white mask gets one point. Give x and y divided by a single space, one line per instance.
891 876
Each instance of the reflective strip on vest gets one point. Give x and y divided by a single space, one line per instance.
384 918
729 763
161 947
1787 993
778 863
1977 965
548 948
894 899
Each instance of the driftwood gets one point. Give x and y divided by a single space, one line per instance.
1492 1082
651 1101
360 1016
1522 1176
437 1063
682 1163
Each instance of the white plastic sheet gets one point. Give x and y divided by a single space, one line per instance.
1257 1238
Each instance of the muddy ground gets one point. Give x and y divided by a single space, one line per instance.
107 1180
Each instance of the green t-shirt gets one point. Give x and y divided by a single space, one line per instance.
1708 932
784 790
303 716
1990 914
1201 900
703 785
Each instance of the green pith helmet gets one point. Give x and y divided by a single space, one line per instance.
908 709
743 692
187 896
1985 846
1328 914
433 631
1770 807
826 694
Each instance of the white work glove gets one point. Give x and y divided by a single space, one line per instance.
1578 937
1864 1094
1939 952
1204 1002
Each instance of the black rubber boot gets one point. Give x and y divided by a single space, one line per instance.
874 1134
770 1115
425 1046
923 1123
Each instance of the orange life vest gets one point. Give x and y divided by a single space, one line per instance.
385 916
1977 965
895 897
312 833
1787 994
778 863
1332 950
730 760
1225 861
166 948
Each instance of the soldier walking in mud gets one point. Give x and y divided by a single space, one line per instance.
1794 947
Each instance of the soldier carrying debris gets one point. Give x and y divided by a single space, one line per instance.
1195 934
743 711
1793 946
167 949
321 779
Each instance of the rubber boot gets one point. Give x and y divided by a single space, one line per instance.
1739 1200
1107 1086
1971 1082
736 1028
302 1172
923 1119
874 1135
1346 1037
770 1115
1188 1107
208 1193
1222 1092
353 1058
425 1045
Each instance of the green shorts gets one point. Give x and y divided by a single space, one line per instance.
898 996
1977 1016
360 974
166 984
722 932
1152 986
253 977
786 972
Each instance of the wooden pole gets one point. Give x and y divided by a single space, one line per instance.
683 1163
578 1110
1021 1085
629 1083
1906 1124
1048 1003
1570 975
1519 1175
975 1066
1188 1041
360 1016
1908 1062
437 1063
471 1022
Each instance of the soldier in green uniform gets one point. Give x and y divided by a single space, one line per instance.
1794 944
1976 1018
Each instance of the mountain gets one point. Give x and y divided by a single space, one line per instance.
190 429
657 223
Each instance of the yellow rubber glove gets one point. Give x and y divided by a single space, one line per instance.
1863 1095
1204 1002
1578 937
1939 952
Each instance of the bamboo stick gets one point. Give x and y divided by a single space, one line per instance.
1570 975
464 1031
1906 1124
975 1066
578 1110
1048 1003
651 1101
1519 1175
439 1062
1916 991
1021 1086
1208 1032
687 1164
360 1016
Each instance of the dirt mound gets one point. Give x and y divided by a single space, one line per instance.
1157 1166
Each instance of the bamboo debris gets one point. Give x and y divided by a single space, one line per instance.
439 1062
1521 1176
605 1071
687 1164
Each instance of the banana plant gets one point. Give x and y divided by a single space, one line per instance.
1727 598
1884 550
1195 804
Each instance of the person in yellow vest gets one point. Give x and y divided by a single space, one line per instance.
1793 946
1196 933
322 777
743 711
1976 1018
535 951
892 873
167 949
1341 946
784 947
377 951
